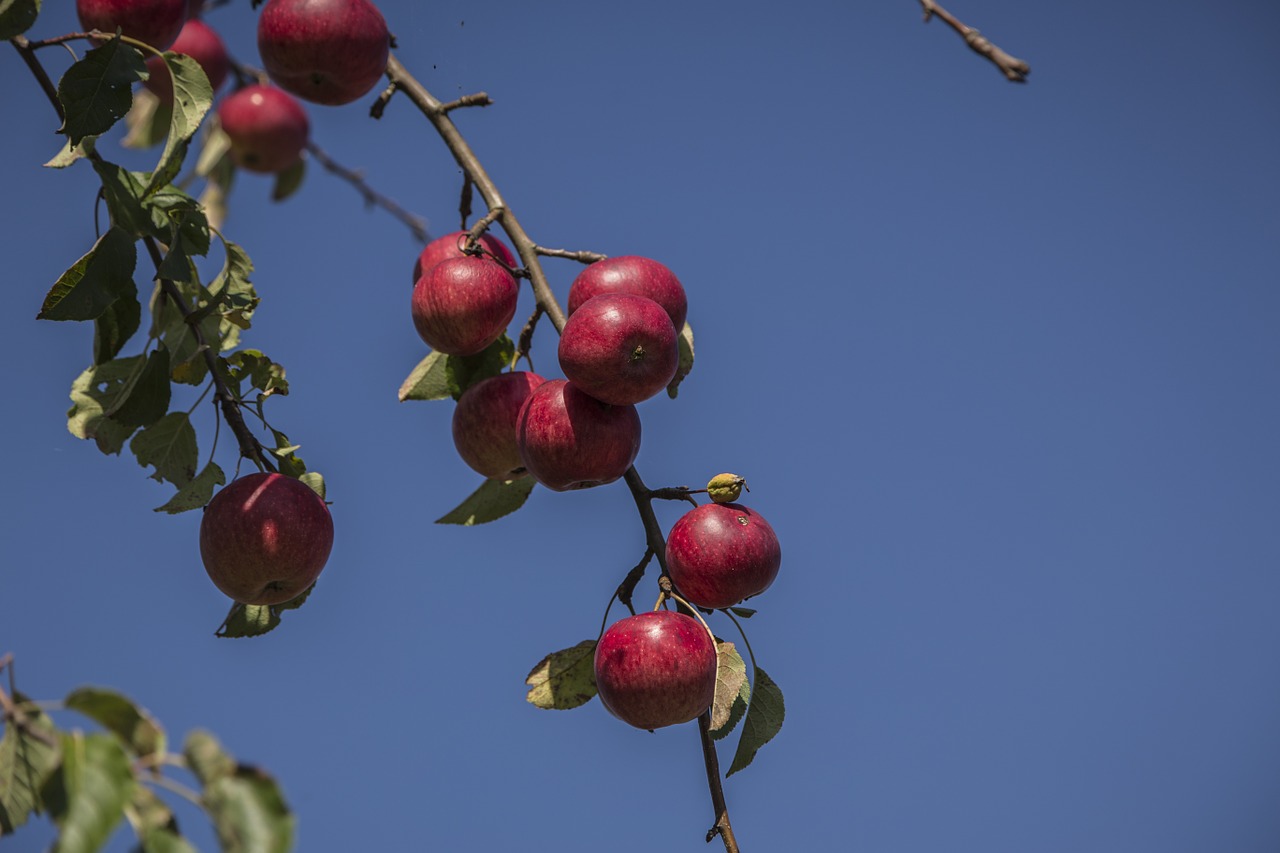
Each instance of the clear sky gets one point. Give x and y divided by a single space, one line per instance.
998 363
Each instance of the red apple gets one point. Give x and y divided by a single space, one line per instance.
632 274
656 669
619 348
325 51
154 22
265 538
569 440
450 246
199 41
462 305
194 8
719 554
267 127
484 424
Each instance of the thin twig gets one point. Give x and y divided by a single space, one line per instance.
1014 69
580 257
372 197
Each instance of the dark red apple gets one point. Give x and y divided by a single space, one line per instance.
656 669
325 51
265 538
569 440
153 22
484 424
194 8
462 305
450 246
632 274
198 41
719 554
267 127
619 348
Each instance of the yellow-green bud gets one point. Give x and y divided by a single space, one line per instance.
725 488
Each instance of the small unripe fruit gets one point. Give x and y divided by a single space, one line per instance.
462 305
719 554
153 22
725 488
324 51
267 127
199 41
265 538
656 669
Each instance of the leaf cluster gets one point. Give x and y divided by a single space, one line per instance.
86 783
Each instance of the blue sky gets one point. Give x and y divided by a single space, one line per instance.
998 363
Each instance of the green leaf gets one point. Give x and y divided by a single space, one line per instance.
291 465
92 283
170 445
263 374
25 763
174 212
110 435
463 371
232 290
176 264
154 823
99 391
136 728
251 620
71 153
564 679
214 150
493 500
96 91
249 812
428 381
87 795
17 16
196 493
147 120
115 326
192 96
206 758
289 180
685 343
122 190
148 399
764 720
743 612
733 692
315 482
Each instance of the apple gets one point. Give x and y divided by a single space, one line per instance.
325 51
267 127
569 440
632 274
656 669
265 538
199 41
484 424
462 305
619 348
194 8
450 246
721 553
153 22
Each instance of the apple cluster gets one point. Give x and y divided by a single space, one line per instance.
322 51
618 348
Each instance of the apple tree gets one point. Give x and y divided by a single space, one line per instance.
167 287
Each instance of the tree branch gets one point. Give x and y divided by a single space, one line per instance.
1014 69
438 114
372 197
